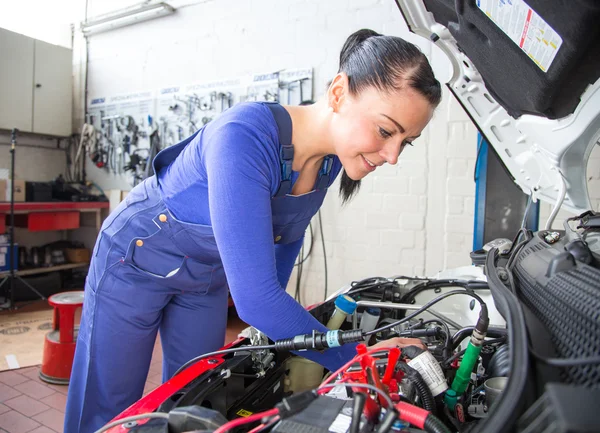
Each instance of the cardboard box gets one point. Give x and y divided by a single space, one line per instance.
5 190
4 257
78 255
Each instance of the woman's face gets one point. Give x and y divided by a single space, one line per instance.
373 128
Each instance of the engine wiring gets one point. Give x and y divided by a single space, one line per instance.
222 352
387 373
395 359
430 304
438 386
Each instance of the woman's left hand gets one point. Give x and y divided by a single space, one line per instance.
398 342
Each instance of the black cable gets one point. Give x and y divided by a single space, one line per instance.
517 245
483 312
511 282
462 352
438 284
423 390
515 253
249 376
465 332
299 276
388 420
447 341
379 283
312 240
435 425
324 254
221 352
358 404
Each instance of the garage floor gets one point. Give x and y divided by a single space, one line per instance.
29 405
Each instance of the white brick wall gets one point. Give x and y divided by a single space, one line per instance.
414 218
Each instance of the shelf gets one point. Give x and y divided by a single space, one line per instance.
54 206
45 270
45 216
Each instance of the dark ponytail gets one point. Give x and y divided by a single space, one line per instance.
388 63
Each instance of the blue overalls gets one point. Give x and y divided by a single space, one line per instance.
151 272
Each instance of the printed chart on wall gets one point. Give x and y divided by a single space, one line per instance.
288 87
263 87
296 86
131 129
182 110
125 133
526 28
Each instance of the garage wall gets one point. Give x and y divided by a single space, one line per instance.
36 159
413 218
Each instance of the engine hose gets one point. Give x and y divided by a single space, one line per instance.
421 418
434 425
465 332
422 389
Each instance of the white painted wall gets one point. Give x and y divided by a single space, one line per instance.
414 218
48 21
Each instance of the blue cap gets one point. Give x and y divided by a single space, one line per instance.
374 311
345 303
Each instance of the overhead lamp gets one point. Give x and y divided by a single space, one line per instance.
126 17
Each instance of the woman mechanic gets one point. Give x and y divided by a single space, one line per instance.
228 208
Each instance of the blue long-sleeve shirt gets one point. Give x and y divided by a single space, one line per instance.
225 178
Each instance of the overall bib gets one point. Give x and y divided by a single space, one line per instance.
151 272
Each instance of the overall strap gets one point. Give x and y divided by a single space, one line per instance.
286 152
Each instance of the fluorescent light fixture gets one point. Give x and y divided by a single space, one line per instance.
126 17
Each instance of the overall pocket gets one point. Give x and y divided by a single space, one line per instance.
157 258
291 232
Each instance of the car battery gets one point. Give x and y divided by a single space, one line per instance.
38 191
324 415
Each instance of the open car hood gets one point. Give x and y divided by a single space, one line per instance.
527 73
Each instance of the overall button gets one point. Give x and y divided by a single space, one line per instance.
278 238
139 242
162 217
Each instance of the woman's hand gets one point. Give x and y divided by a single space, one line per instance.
399 342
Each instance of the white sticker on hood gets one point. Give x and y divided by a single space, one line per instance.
526 28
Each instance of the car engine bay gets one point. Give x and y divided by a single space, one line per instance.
512 345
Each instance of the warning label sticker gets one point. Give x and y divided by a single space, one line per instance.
526 28
243 412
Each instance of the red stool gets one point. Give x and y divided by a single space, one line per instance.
59 346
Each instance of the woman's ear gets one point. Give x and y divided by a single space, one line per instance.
337 92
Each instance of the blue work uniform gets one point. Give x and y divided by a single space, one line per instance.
217 215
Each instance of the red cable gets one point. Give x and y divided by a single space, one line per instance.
264 426
412 414
349 363
241 421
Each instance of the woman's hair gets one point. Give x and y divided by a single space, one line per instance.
388 63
